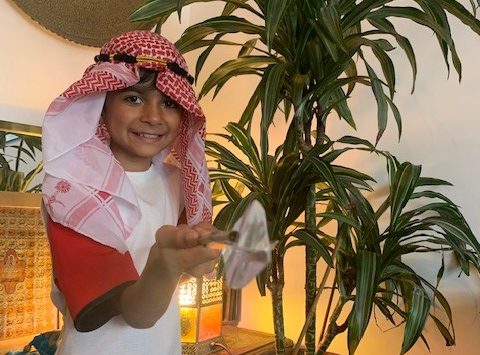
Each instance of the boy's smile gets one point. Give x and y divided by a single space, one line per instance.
141 121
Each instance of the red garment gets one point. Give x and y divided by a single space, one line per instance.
85 270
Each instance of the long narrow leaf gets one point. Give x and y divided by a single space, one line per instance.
367 264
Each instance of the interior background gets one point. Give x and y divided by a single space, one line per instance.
441 124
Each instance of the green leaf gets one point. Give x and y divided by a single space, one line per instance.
402 188
315 54
367 264
449 339
325 173
360 11
416 319
329 19
219 25
247 145
273 15
247 48
456 9
310 239
229 191
426 181
253 103
275 75
340 103
403 42
203 57
234 67
356 141
216 174
351 72
396 115
381 102
156 9
322 33
455 231
341 218
232 5
387 67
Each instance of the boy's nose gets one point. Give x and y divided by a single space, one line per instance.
152 113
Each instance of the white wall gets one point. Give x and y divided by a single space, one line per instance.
440 132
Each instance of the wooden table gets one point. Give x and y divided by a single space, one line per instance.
246 341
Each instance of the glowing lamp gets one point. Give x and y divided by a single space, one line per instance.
201 304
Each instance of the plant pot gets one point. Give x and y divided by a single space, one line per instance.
25 268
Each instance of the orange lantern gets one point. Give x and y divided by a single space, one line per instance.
201 304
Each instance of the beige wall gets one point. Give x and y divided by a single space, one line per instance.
440 132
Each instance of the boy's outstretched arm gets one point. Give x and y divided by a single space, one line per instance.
177 250
99 283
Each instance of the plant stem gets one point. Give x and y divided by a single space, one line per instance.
320 125
312 310
311 257
327 312
333 329
275 287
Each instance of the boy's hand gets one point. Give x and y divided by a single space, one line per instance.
178 250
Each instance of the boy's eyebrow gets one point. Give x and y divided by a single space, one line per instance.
142 88
138 87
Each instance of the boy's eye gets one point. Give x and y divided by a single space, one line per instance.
170 104
134 99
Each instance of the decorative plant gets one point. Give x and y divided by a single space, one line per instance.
310 55
16 150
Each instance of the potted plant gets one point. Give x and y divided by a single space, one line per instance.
310 56
19 148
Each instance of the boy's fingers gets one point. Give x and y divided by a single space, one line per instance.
177 237
202 269
204 229
182 236
187 259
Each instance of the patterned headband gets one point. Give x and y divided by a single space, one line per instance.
131 59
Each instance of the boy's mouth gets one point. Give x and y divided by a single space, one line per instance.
147 135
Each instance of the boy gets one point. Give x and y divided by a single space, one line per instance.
125 173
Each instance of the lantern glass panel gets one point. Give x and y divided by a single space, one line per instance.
210 322
188 322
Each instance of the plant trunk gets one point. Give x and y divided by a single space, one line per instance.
275 285
333 329
310 273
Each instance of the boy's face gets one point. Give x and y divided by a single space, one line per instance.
141 121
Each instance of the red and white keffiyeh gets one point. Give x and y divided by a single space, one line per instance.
85 188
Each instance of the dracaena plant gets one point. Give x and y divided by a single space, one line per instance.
15 152
310 56
369 271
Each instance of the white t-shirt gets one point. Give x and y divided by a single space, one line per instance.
160 199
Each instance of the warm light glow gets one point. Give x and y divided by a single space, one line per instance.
188 323
210 322
187 293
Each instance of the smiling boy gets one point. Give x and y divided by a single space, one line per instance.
126 197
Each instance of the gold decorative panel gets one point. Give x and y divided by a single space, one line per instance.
188 324
25 274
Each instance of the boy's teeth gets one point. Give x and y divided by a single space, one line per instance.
146 135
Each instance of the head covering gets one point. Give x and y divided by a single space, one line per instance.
85 188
